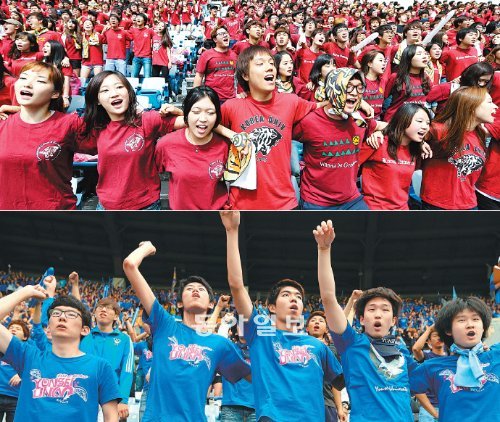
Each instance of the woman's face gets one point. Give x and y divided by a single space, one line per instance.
360 37
46 49
419 127
435 52
486 110
327 68
160 26
70 25
23 44
286 66
484 80
34 88
496 39
201 118
113 96
378 64
88 25
420 59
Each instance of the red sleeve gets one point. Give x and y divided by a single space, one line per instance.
366 152
302 108
201 65
390 84
439 92
494 129
297 132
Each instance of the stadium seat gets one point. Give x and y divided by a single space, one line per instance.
154 88
134 82
143 101
77 104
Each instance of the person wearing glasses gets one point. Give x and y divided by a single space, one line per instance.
108 342
63 382
332 138
216 67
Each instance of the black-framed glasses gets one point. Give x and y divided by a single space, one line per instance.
221 33
359 88
56 313
107 307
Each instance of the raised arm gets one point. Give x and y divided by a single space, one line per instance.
9 302
74 279
324 235
221 305
348 310
242 301
139 284
419 345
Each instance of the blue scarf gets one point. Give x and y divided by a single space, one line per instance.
469 370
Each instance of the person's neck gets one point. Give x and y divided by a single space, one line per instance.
261 96
383 44
35 114
222 49
464 46
280 47
315 48
253 40
284 78
67 349
372 76
284 326
105 328
341 44
193 139
405 141
329 115
438 351
194 321
414 71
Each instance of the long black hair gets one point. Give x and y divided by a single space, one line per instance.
15 53
470 76
3 72
403 74
315 74
95 117
57 53
278 57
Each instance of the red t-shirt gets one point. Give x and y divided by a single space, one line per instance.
71 50
47 36
269 125
195 171
344 57
5 46
117 43
489 181
219 69
160 56
210 25
449 182
36 162
233 27
495 89
128 179
242 45
417 96
331 150
374 95
95 56
304 62
142 41
15 66
6 91
456 60
386 183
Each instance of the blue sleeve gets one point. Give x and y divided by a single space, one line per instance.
139 347
344 340
331 366
45 307
159 319
232 366
39 337
108 387
127 369
258 325
19 353
420 380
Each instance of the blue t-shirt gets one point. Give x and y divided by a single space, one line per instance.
40 338
117 348
241 392
459 403
184 366
288 370
377 392
145 359
66 389
428 354
6 373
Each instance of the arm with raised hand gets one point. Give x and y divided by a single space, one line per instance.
324 235
74 279
9 302
349 308
131 266
221 305
419 345
241 298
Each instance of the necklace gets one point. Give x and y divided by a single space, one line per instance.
195 144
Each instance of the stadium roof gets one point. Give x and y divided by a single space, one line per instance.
414 253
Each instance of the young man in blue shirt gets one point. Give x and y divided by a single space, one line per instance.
61 383
375 364
186 355
466 383
108 342
284 359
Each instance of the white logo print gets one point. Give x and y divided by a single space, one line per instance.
134 143
48 151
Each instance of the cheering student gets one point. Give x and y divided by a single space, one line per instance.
23 51
458 142
376 365
109 343
63 382
9 379
373 66
315 88
268 117
456 60
187 355
466 383
37 144
305 58
388 170
282 357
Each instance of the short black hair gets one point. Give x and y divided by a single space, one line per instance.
243 63
278 286
194 279
73 302
462 33
449 311
195 95
382 292
470 76
334 31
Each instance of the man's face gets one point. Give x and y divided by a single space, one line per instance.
255 31
317 326
262 73
105 315
282 39
435 341
467 329
378 317
17 330
195 298
288 304
67 325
